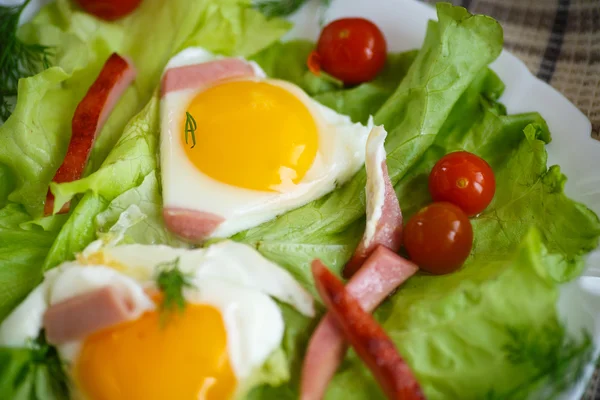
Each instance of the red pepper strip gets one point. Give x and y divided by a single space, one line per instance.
88 120
366 336
378 277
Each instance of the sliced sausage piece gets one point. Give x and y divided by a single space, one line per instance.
196 76
367 337
384 217
89 118
380 275
79 316
191 225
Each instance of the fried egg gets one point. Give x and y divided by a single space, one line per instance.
262 146
229 328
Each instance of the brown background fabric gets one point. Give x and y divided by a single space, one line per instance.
559 40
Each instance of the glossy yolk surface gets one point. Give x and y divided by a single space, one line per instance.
250 134
184 358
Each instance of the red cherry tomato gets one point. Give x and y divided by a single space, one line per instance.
463 179
439 238
352 50
109 10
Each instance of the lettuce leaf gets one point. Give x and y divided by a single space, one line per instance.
78 231
22 252
30 146
287 61
146 202
365 100
6 184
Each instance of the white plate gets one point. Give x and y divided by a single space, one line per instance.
404 24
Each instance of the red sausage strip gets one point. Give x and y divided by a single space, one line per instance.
84 314
380 275
191 225
388 218
196 76
366 336
89 118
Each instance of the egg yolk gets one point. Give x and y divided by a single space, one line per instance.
183 358
250 134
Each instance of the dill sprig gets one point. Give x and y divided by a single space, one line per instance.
172 281
45 361
280 8
17 59
277 8
190 128
558 361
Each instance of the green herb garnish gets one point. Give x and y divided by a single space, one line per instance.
279 8
171 281
44 357
558 360
190 128
34 371
17 59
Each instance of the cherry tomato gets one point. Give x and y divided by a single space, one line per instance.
463 179
439 238
351 49
109 10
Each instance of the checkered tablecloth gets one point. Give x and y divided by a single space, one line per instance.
559 40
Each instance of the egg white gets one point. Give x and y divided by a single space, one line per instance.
228 261
375 189
340 154
232 277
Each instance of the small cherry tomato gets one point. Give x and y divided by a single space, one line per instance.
109 10
439 238
463 179
352 50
